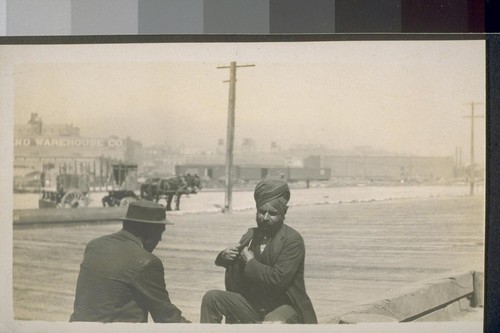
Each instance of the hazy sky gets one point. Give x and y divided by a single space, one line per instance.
402 96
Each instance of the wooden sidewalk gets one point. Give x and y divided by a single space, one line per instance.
356 252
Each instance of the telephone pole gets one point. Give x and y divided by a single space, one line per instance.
472 171
228 205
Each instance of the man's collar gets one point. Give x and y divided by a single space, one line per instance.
132 237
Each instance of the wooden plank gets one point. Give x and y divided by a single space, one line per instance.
460 307
413 302
478 300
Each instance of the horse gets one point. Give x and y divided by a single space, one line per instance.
156 188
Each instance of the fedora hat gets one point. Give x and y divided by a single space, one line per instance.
146 212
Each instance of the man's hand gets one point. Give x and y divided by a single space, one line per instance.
230 253
246 254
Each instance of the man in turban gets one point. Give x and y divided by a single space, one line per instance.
265 270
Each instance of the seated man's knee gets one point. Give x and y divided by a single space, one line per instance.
210 296
283 314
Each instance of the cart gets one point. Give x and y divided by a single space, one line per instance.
123 187
72 191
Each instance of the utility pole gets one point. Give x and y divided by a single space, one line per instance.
472 117
228 204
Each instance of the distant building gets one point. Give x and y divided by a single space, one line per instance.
249 167
390 167
59 148
254 172
312 161
35 127
248 146
160 161
221 147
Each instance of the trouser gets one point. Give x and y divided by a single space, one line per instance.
217 304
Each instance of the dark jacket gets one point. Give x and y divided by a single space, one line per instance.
119 281
282 266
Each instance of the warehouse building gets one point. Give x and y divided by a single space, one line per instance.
401 168
52 149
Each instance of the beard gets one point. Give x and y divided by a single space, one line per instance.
269 229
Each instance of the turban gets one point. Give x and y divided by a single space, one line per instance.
274 192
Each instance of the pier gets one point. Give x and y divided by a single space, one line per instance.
356 253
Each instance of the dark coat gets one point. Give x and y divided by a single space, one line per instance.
282 266
119 281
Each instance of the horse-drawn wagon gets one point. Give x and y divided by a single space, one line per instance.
123 187
72 191
155 189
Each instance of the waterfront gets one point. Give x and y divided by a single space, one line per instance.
212 201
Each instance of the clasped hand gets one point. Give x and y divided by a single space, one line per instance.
231 253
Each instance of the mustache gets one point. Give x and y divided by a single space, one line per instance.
268 224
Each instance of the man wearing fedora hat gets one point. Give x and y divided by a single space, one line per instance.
120 279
